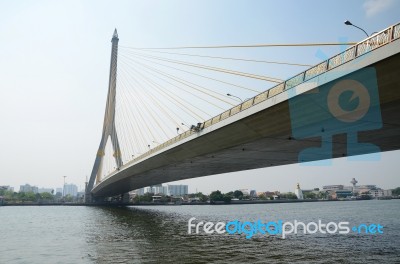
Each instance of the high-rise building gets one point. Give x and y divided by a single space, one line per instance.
70 189
177 190
28 188
155 188
161 190
138 191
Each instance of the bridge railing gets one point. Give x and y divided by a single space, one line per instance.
373 42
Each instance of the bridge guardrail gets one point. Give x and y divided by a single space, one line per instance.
373 42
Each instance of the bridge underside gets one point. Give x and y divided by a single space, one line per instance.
263 139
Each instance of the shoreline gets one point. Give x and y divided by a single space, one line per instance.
183 204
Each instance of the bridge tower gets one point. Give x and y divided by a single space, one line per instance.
109 130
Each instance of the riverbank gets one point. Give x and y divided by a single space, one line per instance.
234 202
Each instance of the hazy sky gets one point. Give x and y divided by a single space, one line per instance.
54 63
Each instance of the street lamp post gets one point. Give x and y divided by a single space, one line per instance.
347 22
64 186
183 124
228 94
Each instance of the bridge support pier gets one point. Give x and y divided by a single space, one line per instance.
125 198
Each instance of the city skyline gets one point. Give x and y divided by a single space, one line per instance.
194 188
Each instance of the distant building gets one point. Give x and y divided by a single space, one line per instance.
268 194
245 192
253 193
59 191
332 187
387 193
171 190
298 192
271 194
365 188
341 194
380 193
161 190
45 190
177 190
70 189
7 188
138 191
27 188
154 188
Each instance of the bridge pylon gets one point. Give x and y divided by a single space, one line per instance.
109 129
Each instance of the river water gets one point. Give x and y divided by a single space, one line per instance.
159 234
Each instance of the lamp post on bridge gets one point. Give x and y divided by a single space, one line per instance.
228 94
348 23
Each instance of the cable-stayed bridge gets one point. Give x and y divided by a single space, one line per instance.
169 118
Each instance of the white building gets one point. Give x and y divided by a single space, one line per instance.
380 193
298 192
177 190
138 191
364 188
171 190
156 189
28 188
245 192
161 190
70 189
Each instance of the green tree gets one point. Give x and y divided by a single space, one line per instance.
10 196
288 195
238 194
310 195
230 194
68 198
164 198
147 197
322 195
204 198
29 196
216 196
396 191
263 196
227 198
47 196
